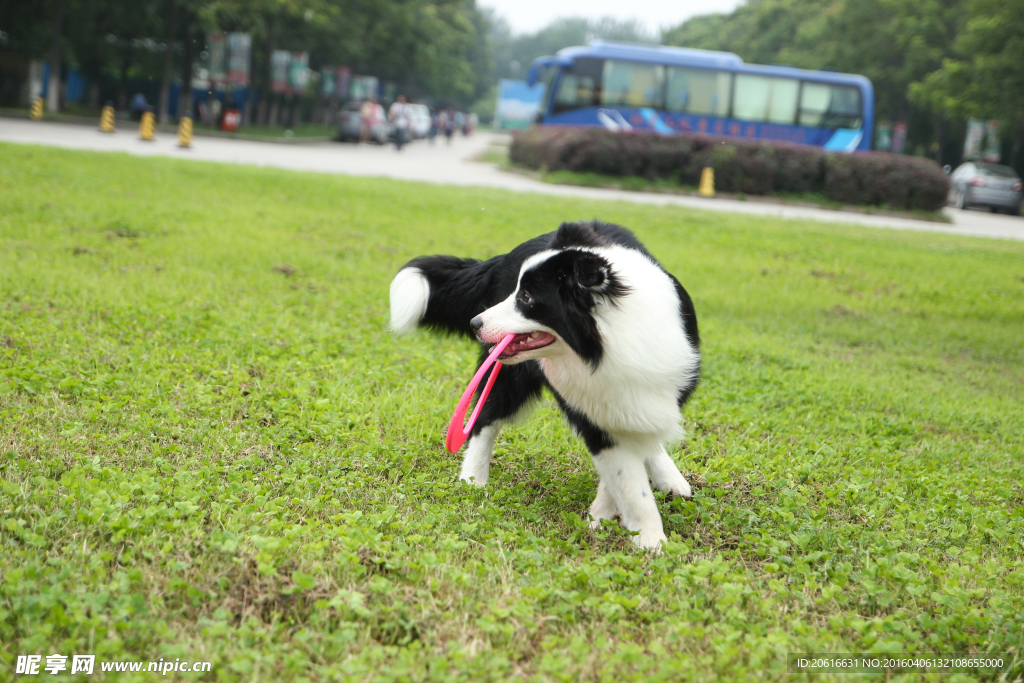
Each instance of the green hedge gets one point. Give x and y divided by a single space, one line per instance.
749 166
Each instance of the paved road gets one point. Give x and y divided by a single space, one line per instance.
452 164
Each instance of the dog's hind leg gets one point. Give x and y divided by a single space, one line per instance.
666 476
515 387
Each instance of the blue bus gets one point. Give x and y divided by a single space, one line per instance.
682 90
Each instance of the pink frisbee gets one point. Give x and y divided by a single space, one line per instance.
457 434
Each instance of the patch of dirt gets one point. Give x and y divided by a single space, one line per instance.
841 311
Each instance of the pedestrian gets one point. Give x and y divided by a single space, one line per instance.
434 120
367 114
449 126
442 122
400 115
139 106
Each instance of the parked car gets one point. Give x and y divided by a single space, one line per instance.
350 123
420 120
977 183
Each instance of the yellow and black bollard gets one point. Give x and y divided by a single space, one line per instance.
185 132
36 112
707 182
146 126
107 119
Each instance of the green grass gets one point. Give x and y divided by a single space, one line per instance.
211 449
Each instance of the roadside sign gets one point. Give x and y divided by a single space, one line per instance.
279 62
298 73
239 50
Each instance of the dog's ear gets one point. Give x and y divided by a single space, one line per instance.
595 274
591 271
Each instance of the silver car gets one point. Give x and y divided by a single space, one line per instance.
350 123
977 183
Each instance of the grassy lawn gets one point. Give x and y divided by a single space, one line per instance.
210 449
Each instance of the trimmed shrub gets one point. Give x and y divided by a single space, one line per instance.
749 166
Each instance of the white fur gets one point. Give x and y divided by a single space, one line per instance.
476 464
628 491
665 475
632 395
410 293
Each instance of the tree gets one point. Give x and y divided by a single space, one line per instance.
513 54
985 78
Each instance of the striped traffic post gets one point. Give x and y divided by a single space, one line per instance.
185 132
36 112
707 182
146 127
107 119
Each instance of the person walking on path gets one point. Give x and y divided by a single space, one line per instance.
449 126
367 114
400 116
442 122
139 106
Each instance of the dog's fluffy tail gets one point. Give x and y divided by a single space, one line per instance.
440 292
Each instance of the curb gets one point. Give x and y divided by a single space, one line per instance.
71 119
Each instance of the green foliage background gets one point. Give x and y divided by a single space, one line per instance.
211 449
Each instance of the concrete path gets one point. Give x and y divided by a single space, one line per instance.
452 164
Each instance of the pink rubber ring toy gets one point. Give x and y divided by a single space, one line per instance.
457 434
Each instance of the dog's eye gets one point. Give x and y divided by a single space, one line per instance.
525 298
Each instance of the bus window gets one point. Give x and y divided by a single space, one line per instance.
632 84
574 91
579 86
782 108
759 98
830 106
697 91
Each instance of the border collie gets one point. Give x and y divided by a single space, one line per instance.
600 323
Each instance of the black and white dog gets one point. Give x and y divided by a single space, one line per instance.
599 322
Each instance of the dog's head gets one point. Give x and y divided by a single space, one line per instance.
553 307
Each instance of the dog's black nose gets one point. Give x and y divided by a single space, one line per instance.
476 323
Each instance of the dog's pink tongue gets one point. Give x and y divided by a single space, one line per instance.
525 342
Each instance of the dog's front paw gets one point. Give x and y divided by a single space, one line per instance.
680 489
475 480
650 540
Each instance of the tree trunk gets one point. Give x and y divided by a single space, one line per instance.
165 85
273 111
185 98
122 99
53 90
940 137
1018 133
266 94
247 107
261 111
